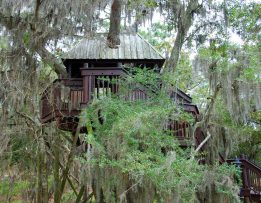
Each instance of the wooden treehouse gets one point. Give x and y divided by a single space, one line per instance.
92 60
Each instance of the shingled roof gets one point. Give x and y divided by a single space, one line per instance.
132 46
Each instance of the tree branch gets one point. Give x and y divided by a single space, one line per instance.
53 61
28 118
203 142
70 160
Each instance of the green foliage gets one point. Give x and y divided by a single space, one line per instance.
159 35
3 43
136 138
26 38
251 72
245 19
13 189
69 197
131 139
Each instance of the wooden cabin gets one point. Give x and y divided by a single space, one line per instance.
92 59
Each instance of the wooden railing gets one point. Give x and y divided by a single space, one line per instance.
251 177
103 86
99 82
100 86
136 94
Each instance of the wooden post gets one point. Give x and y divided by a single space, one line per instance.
85 86
86 89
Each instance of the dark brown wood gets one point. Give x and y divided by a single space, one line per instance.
86 89
55 103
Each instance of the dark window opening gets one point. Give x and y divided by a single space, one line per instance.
74 70
103 65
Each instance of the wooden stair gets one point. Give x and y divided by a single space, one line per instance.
251 179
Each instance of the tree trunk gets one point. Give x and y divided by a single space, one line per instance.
184 16
113 38
172 62
42 177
